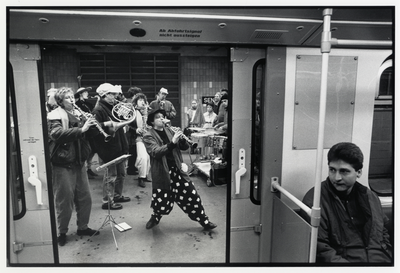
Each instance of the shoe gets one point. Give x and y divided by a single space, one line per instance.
209 226
88 232
130 172
113 206
90 172
152 222
62 239
141 182
121 199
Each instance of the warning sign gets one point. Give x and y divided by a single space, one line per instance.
180 33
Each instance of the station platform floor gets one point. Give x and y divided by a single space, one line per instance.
176 240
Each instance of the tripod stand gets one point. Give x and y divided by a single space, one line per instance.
110 192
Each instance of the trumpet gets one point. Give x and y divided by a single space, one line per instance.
107 137
177 129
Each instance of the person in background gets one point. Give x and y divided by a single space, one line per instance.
209 117
69 148
163 104
195 116
138 128
171 182
116 147
352 224
223 125
216 102
131 135
81 100
221 108
51 103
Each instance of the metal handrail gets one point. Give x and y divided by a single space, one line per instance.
275 185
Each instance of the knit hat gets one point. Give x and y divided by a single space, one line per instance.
224 97
106 88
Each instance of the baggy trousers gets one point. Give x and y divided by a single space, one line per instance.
71 188
184 194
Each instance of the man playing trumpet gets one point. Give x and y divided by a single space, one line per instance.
117 146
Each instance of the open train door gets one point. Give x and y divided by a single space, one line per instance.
30 220
263 228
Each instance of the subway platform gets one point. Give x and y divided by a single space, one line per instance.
176 240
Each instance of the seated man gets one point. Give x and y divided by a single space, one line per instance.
352 226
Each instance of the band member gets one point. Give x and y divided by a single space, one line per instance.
171 183
139 128
69 148
117 146
163 104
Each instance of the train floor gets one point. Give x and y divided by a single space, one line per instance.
175 240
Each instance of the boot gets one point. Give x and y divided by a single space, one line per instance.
141 182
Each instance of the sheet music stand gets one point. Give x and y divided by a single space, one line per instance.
109 218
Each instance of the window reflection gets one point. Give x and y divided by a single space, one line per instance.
14 162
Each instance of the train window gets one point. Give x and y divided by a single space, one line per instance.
386 82
340 100
380 174
258 86
14 167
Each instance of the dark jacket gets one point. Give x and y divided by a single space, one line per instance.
158 161
338 238
68 147
118 145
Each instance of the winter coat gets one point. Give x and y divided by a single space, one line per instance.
158 161
168 108
118 145
338 238
68 145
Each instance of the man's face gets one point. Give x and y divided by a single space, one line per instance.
217 97
158 120
111 97
225 102
342 175
162 95
194 105
85 95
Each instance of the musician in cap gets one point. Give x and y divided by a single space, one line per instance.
117 146
170 180
162 103
69 133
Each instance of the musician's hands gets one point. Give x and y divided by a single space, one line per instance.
88 123
176 137
140 131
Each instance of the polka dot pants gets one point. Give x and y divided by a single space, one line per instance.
184 194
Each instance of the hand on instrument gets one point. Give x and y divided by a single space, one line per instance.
176 137
140 131
88 123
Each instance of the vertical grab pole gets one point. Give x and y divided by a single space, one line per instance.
315 211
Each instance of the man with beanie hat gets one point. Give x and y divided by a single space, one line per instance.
117 146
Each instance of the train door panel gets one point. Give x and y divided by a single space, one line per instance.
244 237
31 230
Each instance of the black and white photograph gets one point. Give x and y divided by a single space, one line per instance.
200 136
